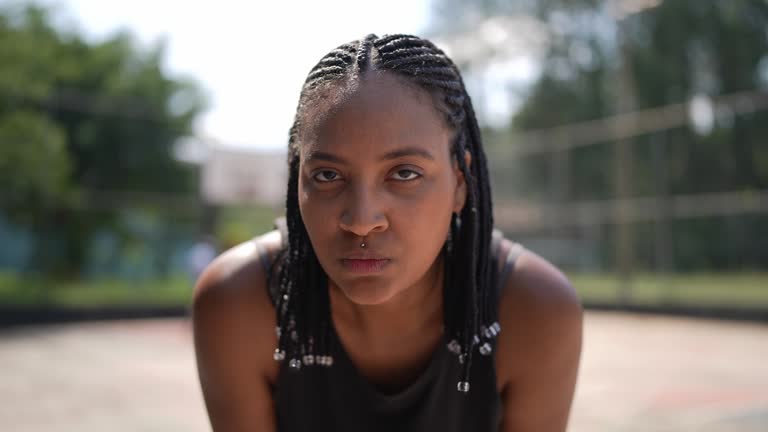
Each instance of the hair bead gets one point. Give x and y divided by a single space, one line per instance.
279 355
485 349
463 386
295 364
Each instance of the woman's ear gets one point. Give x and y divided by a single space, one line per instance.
460 197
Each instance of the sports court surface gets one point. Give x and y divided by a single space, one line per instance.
639 373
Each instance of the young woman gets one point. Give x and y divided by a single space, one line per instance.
388 302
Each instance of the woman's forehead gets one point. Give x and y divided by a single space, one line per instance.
378 115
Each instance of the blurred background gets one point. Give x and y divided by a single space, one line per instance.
628 143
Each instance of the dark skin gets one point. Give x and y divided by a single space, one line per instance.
377 166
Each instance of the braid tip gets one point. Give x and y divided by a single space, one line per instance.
485 349
454 346
279 355
324 360
463 386
295 364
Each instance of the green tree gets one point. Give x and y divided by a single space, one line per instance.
664 54
34 163
672 52
82 120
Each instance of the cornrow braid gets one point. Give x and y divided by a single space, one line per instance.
303 304
364 53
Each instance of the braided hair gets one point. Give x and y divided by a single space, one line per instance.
303 304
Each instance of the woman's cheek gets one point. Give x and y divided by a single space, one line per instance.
426 202
308 206
423 218
318 210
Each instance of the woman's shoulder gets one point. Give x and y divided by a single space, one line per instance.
539 311
532 279
240 271
232 311
539 347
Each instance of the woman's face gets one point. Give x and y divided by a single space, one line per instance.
376 166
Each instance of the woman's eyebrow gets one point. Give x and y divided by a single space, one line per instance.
323 156
394 154
408 151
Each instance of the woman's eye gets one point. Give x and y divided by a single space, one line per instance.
405 174
326 176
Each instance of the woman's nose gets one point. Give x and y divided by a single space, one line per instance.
363 214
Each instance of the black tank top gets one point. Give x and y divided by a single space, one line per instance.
340 399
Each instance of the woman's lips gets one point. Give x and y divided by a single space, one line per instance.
364 266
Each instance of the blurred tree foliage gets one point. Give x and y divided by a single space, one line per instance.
82 119
672 52
668 51
34 164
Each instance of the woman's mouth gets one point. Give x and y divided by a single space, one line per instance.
364 266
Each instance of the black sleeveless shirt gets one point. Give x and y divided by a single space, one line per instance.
340 399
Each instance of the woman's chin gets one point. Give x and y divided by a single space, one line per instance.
367 293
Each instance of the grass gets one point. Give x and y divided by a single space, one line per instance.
15 290
740 290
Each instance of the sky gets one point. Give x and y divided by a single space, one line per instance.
250 57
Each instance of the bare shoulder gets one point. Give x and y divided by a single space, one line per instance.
231 296
539 346
233 323
236 282
537 290
538 307
237 269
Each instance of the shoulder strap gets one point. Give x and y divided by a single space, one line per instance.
282 225
509 263
496 237
266 259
